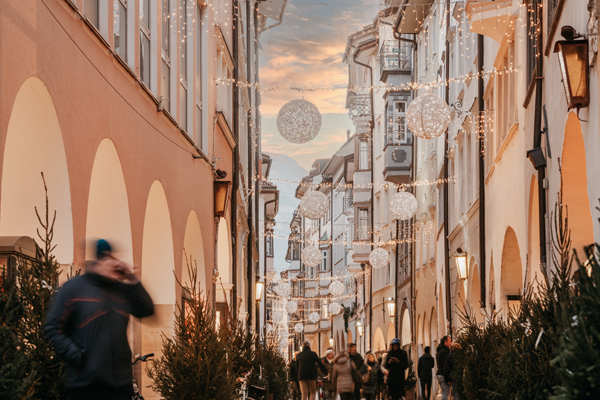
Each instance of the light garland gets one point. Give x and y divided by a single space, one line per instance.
387 185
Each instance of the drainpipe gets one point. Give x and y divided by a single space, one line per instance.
537 142
250 223
396 282
257 157
446 197
234 167
276 199
481 107
371 127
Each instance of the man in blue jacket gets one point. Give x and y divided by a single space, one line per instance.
87 325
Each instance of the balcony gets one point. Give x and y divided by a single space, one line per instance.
397 163
362 189
359 105
362 250
395 57
348 204
491 18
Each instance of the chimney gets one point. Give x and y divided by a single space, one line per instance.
348 134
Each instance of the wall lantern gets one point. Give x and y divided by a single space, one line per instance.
391 307
537 158
260 286
574 67
461 263
360 328
221 197
330 342
514 303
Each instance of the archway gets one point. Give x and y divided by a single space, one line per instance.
379 341
534 233
475 292
575 181
426 332
511 273
434 331
34 145
108 205
406 333
224 285
193 248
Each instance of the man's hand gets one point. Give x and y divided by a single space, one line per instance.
368 368
386 373
125 271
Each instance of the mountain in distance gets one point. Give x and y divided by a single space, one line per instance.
286 168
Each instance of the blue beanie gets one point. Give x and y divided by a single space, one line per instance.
103 249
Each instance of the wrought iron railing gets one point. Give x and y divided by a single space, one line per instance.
348 203
395 55
359 103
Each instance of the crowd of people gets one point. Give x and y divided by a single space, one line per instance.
349 376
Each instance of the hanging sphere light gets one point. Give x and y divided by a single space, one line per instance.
285 334
314 317
336 288
299 327
314 205
403 206
299 121
277 317
428 116
283 289
291 306
335 308
379 258
311 256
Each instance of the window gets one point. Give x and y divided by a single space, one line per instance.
363 224
120 28
325 311
396 123
363 157
225 74
183 64
269 244
91 12
198 77
166 55
295 251
506 114
324 261
145 42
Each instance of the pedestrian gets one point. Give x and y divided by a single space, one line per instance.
359 365
371 388
381 382
426 364
442 352
449 368
342 376
394 366
307 373
294 378
328 388
87 325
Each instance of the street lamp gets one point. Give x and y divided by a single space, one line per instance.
574 67
461 263
391 307
330 342
359 328
260 286
221 196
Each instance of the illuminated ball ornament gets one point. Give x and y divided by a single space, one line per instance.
299 121
277 317
299 327
283 289
314 205
311 256
336 288
428 116
403 206
335 308
314 317
291 307
379 258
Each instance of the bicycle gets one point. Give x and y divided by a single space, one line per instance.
136 390
252 387
320 394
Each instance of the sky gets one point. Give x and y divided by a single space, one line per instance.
306 51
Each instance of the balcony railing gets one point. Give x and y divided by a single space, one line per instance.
395 56
348 203
359 103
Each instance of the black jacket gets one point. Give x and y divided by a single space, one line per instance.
448 368
360 365
395 368
87 325
440 357
307 361
293 372
426 364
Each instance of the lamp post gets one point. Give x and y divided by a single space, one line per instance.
574 65
260 286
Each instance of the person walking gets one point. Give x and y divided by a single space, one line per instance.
307 373
359 364
87 325
295 385
424 367
371 388
342 376
394 366
328 388
442 351
449 369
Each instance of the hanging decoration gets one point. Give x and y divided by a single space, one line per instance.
291 306
283 289
299 121
335 308
299 327
428 116
314 205
270 328
336 288
314 317
277 317
379 258
285 334
403 206
311 256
